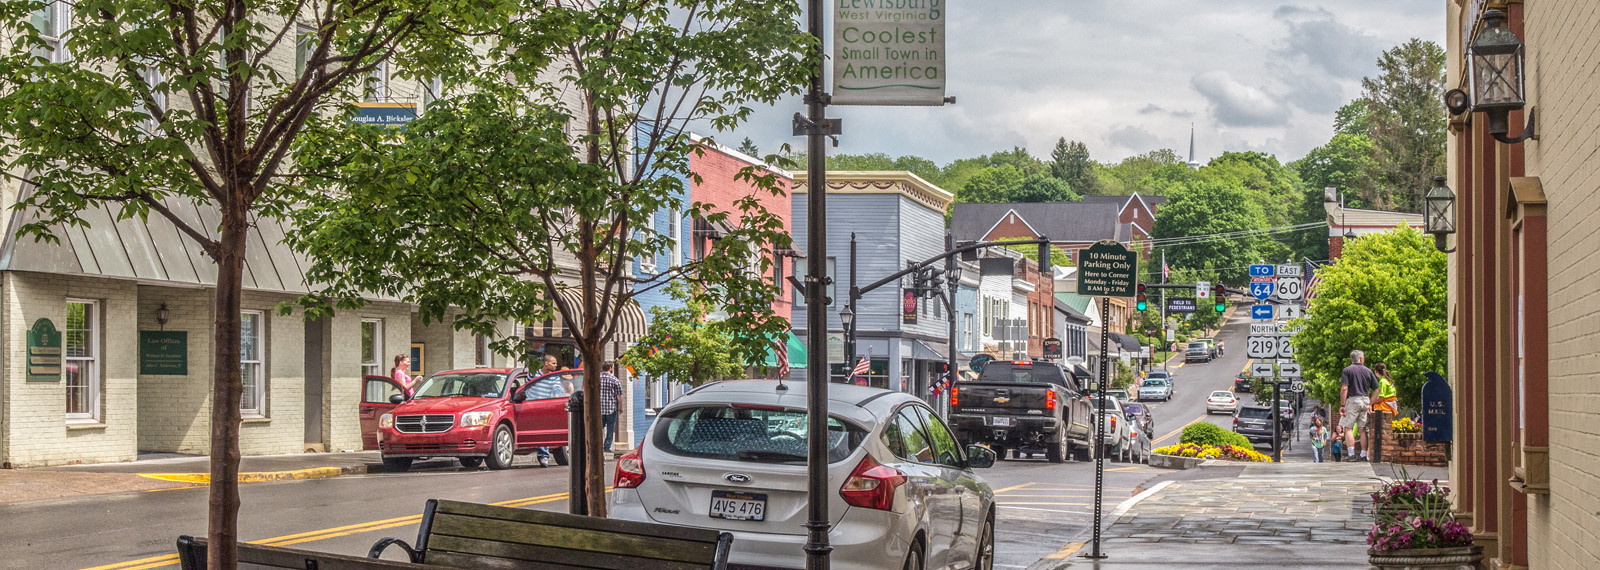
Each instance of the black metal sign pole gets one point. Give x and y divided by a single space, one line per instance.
816 546
1100 423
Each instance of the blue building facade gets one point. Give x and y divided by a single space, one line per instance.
650 393
896 217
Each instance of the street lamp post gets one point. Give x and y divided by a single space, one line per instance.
847 317
952 277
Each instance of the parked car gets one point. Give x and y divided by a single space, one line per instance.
1140 415
1254 422
1164 375
1198 351
1221 401
478 415
1119 445
1138 443
731 456
1026 407
1242 382
1153 389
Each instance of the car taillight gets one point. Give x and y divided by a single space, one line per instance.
1134 434
630 469
1049 399
1113 423
871 485
953 399
1236 423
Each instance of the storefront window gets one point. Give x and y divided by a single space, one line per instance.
372 347
253 401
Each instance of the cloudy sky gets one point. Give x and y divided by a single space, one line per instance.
1129 76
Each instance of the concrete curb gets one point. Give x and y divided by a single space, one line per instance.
1060 558
262 476
1174 461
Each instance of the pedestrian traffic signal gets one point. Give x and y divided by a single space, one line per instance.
1142 304
1220 295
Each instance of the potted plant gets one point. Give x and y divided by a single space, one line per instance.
1413 529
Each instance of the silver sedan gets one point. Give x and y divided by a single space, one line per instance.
732 456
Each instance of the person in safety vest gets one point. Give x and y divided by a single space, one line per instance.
1384 400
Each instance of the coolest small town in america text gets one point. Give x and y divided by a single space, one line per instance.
799 285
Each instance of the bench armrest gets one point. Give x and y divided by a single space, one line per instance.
381 545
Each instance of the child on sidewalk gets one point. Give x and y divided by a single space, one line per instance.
1319 437
1338 443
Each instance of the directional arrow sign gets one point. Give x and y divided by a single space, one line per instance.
1290 370
1261 270
1261 346
1261 369
1261 312
1292 311
1262 291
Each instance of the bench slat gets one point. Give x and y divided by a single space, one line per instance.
260 556
571 521
473 552
571 540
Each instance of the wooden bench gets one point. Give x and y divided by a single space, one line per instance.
192 556
470 535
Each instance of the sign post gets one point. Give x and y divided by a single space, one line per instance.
1107 270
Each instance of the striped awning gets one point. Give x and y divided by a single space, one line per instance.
631 324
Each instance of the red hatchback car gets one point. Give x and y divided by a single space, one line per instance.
478 415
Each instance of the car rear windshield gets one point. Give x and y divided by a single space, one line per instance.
749 434
1255 413
1197 346
1007 372
1155 383
1222 394
474 384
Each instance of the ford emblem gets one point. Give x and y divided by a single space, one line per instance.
737 478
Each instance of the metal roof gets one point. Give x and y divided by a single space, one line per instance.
1059 221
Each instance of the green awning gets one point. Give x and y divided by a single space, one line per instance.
797 353
1078 302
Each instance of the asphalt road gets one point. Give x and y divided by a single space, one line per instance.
1042 507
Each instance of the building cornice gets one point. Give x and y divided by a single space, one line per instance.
882 182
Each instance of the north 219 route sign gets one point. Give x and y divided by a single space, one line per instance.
1107 269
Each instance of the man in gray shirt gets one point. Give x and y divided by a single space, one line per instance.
1356 384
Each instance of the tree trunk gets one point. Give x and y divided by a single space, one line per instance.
226 392
594 480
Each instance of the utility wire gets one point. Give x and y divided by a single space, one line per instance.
1262 232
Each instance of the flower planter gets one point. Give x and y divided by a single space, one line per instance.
1452 558
1392 512
1174 461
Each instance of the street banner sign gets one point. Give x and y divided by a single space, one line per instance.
1202 290
1292 311
1262 291
1261 346
1261 369
1263 329
1261 270
1289 288
1180 305
1261 312
1287 270
1052 348
888 53
1107 269
1290 370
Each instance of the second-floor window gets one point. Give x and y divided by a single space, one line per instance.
675 233
378 83
371 347
52 21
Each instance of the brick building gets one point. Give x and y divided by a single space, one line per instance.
1071 226
1522 312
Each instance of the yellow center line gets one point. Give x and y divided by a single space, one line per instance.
335 532
1176 431
1066 551
1015 487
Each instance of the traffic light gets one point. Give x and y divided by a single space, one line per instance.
1220 295
1142 303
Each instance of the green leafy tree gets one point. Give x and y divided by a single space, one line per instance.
1385 296
489 205
917 165
1139 173
1406 122
149 104
749 148
1209 206
1070 163
1043 188
684 347
1352 119
993 184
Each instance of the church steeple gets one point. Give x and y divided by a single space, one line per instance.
1192 162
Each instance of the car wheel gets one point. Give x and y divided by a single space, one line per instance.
560 453
397 463
1056 453
502 449
914 557
985 554
471 462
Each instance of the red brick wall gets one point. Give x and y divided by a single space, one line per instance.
1409 449
1011 226
1041 307
720 188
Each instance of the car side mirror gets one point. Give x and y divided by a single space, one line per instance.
397 399
519 396
980 457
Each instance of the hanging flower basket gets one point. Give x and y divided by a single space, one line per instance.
1444 558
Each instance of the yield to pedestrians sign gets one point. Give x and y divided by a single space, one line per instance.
1261 312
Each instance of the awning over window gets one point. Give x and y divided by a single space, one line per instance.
631 324
921 350
709 229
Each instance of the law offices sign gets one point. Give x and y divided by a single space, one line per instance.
888 52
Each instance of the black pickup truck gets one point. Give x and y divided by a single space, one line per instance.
1026 407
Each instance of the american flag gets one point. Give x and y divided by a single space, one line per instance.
862 368
780 351
1313 279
